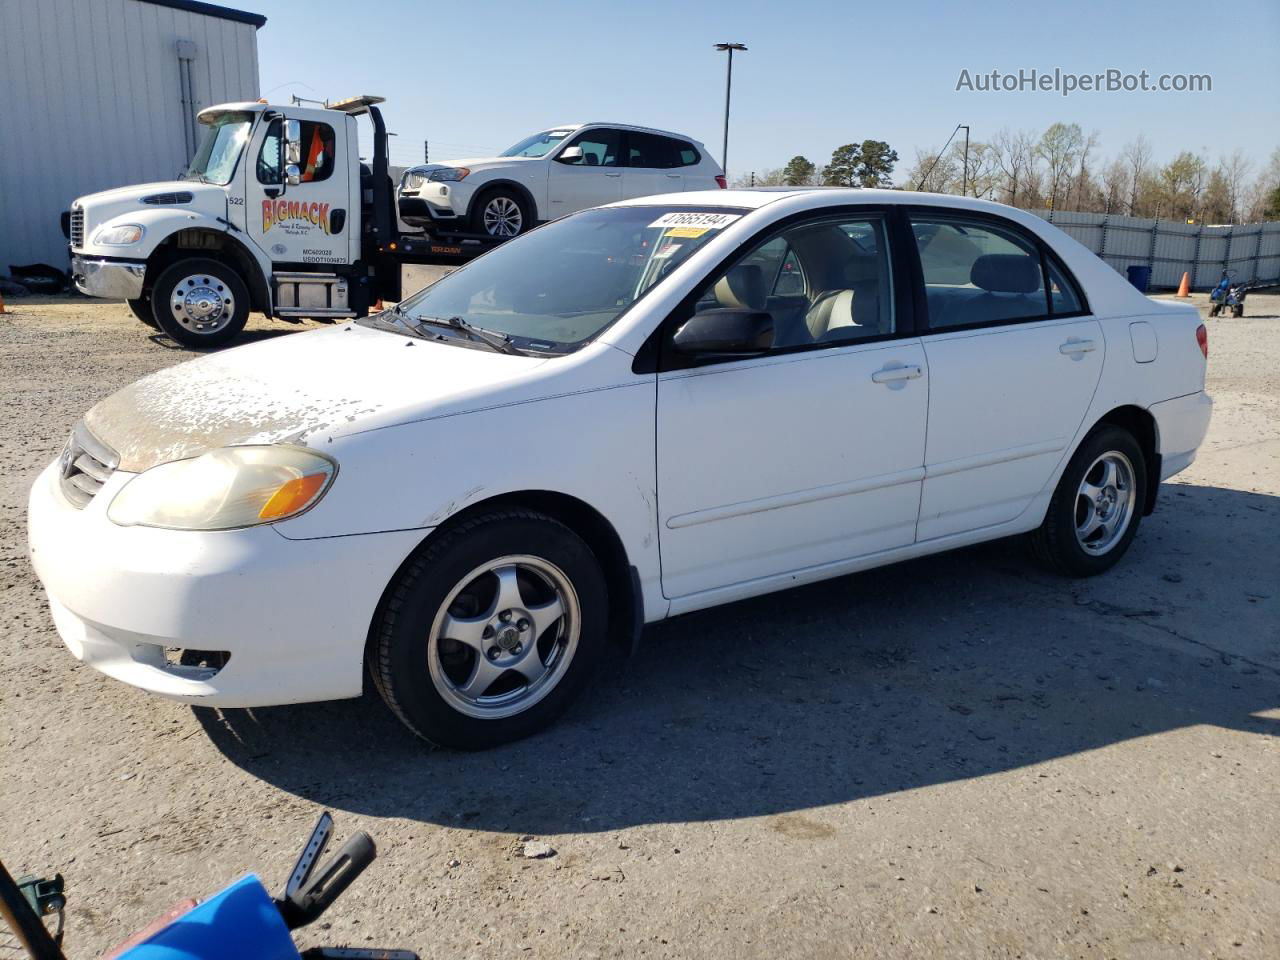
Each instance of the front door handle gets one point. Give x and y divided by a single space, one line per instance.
894 374
674 176
607 174
1074 347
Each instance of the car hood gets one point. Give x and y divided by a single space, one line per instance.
305 388
474 163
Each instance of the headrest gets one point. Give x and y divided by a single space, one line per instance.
1006 273
742 287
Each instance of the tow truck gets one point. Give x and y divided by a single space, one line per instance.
276 213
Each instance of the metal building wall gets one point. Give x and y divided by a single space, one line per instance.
91 98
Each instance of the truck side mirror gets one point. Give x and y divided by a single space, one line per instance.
292 175
292 141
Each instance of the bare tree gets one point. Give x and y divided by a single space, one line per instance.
1115 185
1060 147
1083 185
933 173
1137 155
1235 172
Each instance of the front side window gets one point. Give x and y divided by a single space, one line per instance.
317 153
600 148
215 161
563 283
824 283
536 146
977 273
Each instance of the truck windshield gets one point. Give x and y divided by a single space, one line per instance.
560 285
215 161
537 145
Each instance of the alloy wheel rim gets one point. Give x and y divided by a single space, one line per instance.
504 637
502 217
202 304
1104 503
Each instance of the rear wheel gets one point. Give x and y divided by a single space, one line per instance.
501 213
1097 506
1238 311
200 303
491 631
141 309
1213 311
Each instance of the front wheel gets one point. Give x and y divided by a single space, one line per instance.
1097 506
1238 311
141 308
491 631
501 213
1213 311
200 303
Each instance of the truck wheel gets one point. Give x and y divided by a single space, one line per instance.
491 630
501 213
142 310
200 303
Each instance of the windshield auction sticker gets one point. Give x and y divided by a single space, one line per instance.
708 221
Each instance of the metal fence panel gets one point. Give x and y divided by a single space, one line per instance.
1171 248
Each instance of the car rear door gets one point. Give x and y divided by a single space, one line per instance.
1011 376
806 454
653 165
591 180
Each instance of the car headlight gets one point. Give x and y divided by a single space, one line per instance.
225 489
449 173
414 180
121 235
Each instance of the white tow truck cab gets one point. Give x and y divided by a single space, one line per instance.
275 213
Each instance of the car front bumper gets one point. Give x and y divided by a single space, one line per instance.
434 201
108 279
293 615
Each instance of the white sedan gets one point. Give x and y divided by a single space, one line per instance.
633 412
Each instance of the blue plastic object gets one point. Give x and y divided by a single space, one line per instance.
240 922
1139 276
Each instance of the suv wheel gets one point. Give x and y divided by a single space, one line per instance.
501 213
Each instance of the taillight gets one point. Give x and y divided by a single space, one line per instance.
1202 338
724 184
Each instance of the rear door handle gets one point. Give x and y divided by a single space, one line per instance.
607 174
894 374
674 176
1074 346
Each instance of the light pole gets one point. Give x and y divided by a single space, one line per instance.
964 178
728 87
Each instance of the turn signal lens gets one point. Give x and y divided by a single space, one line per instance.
293 497
1202 338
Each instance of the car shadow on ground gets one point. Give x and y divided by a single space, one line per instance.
941 669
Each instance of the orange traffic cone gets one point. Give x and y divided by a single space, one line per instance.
2 310
1184 288
378 307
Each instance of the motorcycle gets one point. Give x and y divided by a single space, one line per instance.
1229 295
240 922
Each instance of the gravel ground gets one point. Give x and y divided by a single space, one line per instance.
959 756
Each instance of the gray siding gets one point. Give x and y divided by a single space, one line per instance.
91 99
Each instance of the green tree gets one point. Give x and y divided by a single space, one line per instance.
866 164
798 172
1271 206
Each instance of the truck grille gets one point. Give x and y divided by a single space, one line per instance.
77 227
85 465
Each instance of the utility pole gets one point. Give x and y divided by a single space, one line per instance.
728 89
964 180
753 178
426 151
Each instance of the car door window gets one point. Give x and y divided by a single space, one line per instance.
978 273
652 151
1064 297
317 153
600 148
824 283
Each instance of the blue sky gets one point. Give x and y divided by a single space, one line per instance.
478 76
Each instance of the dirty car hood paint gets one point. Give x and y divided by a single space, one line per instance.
300 388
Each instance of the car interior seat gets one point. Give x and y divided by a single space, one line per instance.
1010 283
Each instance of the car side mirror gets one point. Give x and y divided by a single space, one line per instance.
725 330
570 155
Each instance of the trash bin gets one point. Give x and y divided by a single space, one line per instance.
1139 276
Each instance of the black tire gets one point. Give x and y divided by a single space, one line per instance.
400 644
503 198
200 276
1056 543
1238 311
141 309
1213 311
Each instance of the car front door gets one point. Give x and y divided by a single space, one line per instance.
305 222
1011 375
809 453
590 178
653 165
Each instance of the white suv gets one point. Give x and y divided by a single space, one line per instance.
558 171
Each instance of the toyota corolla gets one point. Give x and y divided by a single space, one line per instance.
630 413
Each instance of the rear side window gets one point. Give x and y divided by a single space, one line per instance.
689 156
1064 297
653 151
978 273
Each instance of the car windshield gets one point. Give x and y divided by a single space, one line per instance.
215 161
563 283
537 145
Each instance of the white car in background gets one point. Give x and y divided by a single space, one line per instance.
633 412
561 170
